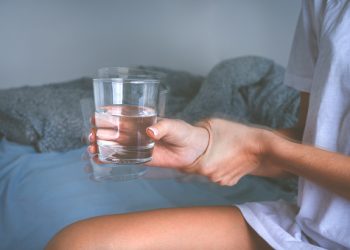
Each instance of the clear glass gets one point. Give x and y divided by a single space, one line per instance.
126 103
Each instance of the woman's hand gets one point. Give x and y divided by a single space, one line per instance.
177 143
232 150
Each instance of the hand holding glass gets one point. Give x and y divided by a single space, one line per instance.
126 102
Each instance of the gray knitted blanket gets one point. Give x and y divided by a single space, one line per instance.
245 89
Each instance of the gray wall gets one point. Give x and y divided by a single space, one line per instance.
52 40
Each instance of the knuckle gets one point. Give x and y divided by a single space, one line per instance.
187 170
162 124
215 178
93 131
206 172
93 120
180 123
162 121
233 182
223 183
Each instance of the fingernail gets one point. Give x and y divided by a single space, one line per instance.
152 131
90 137
92 120
91 150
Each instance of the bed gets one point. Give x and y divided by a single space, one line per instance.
44 184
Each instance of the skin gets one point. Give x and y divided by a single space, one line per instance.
209 228
233 151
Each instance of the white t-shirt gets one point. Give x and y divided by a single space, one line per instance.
319 64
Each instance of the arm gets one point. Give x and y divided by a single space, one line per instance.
249 150
235 150
294 133
328 169
331 170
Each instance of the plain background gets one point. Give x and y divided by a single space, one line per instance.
43 41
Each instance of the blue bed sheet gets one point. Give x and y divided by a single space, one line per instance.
42 193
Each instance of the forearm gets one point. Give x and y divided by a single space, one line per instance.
329 169
295 134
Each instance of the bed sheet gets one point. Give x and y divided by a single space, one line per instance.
42 193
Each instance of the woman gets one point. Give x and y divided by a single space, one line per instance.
225 151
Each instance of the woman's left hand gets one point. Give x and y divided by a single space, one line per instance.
234 151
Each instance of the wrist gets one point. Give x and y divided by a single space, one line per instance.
262 148
204 136
274 147
203 142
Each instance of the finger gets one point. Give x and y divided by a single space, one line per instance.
233 181
116 117
98 161
159 130
152 132
232 178
112 137
106 120
168 129
92 149
216 179
92 136
224 181
125 126
107 134
93 120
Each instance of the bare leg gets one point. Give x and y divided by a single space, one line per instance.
175 228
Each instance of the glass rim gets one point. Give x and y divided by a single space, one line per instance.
125 81
128 73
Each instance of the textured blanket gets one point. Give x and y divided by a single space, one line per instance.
245 89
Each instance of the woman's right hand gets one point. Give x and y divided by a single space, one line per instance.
177 143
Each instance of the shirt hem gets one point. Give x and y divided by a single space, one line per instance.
250 218
297 82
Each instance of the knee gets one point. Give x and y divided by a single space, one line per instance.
75 236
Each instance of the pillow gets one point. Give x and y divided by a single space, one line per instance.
48 117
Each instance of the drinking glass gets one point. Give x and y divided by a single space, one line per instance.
126 103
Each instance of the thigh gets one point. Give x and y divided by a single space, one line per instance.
174 228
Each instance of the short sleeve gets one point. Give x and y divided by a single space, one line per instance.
303 55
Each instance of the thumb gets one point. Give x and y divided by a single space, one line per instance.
168 130
159 130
